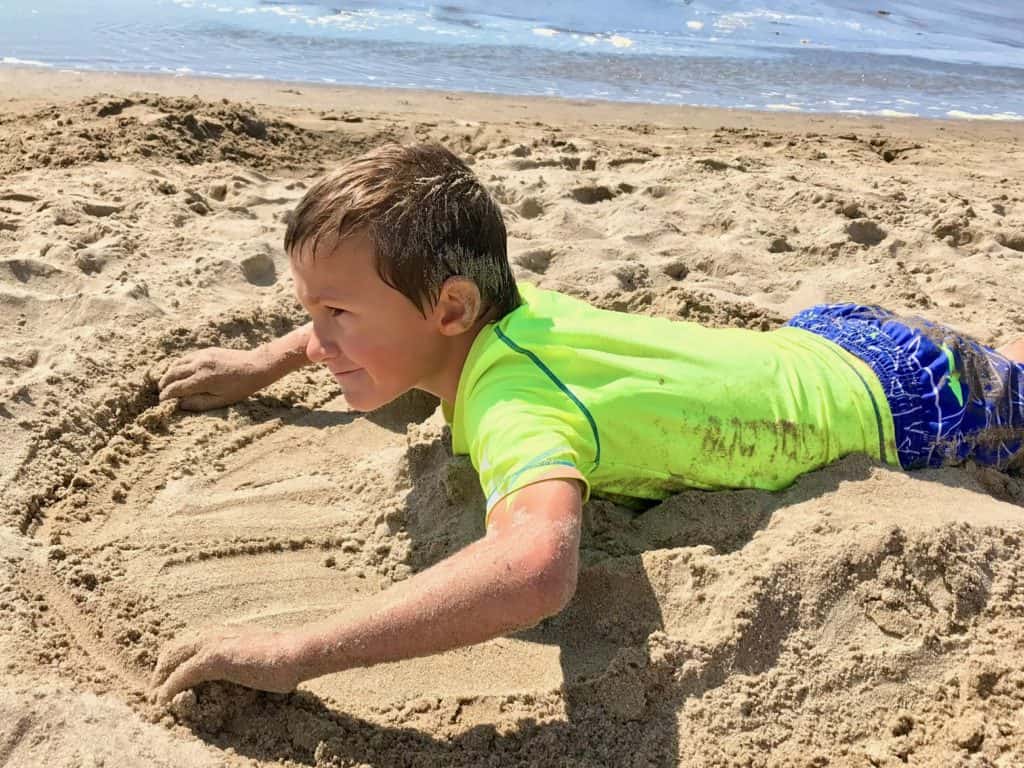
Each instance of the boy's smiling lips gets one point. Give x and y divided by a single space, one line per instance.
339 374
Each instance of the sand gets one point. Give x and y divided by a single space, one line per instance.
863 617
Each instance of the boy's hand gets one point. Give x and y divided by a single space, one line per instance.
250 657
214 378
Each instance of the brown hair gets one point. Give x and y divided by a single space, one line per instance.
428 217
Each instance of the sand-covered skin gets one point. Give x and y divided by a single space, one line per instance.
863 617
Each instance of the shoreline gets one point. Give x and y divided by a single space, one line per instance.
32 87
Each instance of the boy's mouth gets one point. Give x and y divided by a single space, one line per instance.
339 374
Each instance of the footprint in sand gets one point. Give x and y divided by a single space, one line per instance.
41 275
591 194
530 208
259 269
536 259
101 209
18 197
1012 240
13 207
92 260
866 232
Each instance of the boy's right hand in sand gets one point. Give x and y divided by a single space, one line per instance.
214 378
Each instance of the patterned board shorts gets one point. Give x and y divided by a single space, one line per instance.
951 398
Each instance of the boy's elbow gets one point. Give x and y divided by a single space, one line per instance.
552 564
558 593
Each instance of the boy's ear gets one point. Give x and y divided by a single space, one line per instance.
458 306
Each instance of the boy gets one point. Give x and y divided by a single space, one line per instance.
400 260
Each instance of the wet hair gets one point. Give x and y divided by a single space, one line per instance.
427 215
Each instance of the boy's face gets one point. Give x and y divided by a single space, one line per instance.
371 337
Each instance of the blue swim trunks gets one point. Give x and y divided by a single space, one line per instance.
951 398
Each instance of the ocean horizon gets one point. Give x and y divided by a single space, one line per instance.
946 59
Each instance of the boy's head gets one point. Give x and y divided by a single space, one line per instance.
397 255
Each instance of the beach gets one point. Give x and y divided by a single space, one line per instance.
865 616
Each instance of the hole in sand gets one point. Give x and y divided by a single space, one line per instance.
865 232
590 195
26 270
1012 240
259 269
536 259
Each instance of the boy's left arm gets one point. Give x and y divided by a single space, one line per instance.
522 571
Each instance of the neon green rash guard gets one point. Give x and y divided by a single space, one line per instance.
642 407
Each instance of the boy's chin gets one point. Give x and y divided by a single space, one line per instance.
362 404
365 402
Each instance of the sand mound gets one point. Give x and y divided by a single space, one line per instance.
184 130
862 617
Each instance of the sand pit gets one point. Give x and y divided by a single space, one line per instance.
862 617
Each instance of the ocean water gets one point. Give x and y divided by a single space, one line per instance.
931 58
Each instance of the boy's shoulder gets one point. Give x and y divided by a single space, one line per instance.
521 368
559 323
535 348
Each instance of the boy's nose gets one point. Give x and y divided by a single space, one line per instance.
319 349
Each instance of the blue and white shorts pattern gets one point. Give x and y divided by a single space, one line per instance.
951 398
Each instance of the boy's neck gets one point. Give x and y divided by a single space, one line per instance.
445 384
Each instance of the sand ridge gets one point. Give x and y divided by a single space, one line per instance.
863 617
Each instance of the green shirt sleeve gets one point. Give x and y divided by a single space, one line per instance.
520 440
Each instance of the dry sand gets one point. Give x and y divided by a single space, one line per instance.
863 617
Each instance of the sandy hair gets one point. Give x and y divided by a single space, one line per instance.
428 216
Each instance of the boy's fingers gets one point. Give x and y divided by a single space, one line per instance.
189 674
178 370
183 387
172 658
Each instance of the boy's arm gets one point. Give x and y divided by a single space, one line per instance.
522 571
215 377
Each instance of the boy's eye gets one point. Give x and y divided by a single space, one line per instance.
335 311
